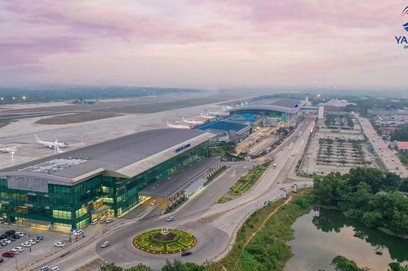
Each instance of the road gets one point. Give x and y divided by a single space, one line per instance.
387 156
214 225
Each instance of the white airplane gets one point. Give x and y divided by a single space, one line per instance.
178 126
49 144
206 116
226 108
192 121
8 149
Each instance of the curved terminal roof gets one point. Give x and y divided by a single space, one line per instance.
125 157
278 105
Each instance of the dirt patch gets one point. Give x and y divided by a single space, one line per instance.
93 265
76 118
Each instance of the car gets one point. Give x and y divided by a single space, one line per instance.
59 244
44 268
109 221
1 260
21 234
55 268
186 253
20 249
105 244
78 232
32 241
8 241
102 220
8 254
26 244
169 219
94 222
15 251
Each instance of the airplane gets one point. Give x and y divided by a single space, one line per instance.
8 149
51 145
178 126
227 107
192 121
206 116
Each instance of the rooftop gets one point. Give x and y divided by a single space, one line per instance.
125 156
222 125
280 105
402 145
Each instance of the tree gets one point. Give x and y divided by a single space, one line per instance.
396 266
139 267
111 267
341 263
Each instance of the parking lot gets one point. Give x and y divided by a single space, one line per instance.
32 253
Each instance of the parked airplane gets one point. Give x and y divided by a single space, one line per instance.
49 144
8 149
206 116
192 121
178 126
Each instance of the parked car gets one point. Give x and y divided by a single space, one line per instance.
8 254
20 249
15 251
44 268
94 222
186 253
59 244
26 244
169 219
1 260
55 268
109 221
78 232
21 234
105 244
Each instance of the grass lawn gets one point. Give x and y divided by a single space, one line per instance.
148 241
246 182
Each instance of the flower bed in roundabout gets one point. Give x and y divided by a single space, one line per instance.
164 241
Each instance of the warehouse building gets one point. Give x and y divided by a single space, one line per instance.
67 191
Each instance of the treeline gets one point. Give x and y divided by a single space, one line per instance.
368 195
343 264
401 134
47 94
169 266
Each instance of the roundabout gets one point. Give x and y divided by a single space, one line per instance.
164 241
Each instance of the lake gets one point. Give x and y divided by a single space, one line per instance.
322 235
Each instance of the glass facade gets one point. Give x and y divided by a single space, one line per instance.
73 207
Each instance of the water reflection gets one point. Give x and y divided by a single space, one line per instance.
323 234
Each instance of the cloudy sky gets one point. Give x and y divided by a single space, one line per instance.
204 43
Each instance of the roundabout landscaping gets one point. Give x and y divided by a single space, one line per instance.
164 241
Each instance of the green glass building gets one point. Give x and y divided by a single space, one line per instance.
68 190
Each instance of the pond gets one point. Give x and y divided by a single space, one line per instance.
322 235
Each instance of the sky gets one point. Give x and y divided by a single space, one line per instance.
208 44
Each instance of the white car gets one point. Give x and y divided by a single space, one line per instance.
78 232
55 268
21 234
26 244
32 241
169 219
20 249
59 244
15 251
109 221
105 244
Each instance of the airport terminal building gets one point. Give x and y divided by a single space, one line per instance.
68 190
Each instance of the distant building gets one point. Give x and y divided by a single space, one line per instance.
402 146
320 113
